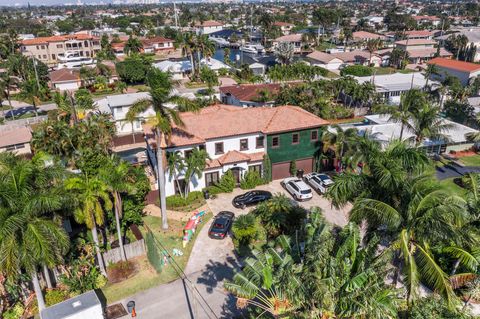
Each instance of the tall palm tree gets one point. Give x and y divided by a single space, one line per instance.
31 92
29 237
93 200
430 70
161 87
133 45
118 179
194 165
339 139
176 165
372 46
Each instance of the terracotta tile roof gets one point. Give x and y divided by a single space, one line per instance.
226 120
427 18
455 65
321 56
427 53
415 33
64 75
366 35
283 24
154 40
353 56
416 42
297 37
18 136
58 38
232 157
249 92
209 23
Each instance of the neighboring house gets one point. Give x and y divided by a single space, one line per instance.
380 128
65 80
86 305
464 71
358 57
16 141
294 39
119 106
413 34
421 50
152 45
48 49
324 60
391 86
258 68
207 27
284 27
363 36
374 21
178 69
472 34
237 139
433 20
249 95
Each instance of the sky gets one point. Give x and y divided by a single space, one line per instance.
42 2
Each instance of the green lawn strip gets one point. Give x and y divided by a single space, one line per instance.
471 160
450 186
147 277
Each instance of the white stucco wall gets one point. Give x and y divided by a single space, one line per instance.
233 144
70 86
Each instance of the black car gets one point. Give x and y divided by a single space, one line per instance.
221 225
251 198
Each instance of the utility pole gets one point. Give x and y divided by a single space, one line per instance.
175 15
34 61
74 110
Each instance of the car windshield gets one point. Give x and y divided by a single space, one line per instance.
316 180
306 191
217 225
324 178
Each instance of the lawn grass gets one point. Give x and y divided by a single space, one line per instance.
450 186
324 46
146 277
473 160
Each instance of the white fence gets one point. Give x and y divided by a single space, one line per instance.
135 249
15 124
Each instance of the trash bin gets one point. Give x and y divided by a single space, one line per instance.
130 306
206 194
300 173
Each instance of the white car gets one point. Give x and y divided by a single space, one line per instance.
319 182
297 188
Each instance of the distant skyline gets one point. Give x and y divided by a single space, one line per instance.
43 2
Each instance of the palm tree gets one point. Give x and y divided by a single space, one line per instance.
338 138
430 70
474 136
31 92
266 22
176 165
93 200
195 164
372 46
161 87
29 238
116 176
427 123
209 77
133 45
284 52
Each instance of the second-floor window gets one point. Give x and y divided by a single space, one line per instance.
243 144
314 135
275 141
259 142
59 46
295 138
219 148
188 153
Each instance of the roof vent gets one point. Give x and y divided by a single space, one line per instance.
76 304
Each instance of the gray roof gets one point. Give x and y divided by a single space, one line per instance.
397 81
72 306
126 99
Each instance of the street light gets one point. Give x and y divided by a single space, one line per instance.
34 60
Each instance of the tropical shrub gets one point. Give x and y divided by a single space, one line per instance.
245 230
16 312
54 296
267 168
153 253
357 70
293 168
250 180
434 308
296 71
178 202
226 184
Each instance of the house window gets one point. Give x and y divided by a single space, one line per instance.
218 148
259 141
188 153
45 56
211 178
256 168
243 144
53 56
295 138
201 147
275 141
43 47
314 135
59 46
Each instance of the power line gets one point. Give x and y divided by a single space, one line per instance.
182 274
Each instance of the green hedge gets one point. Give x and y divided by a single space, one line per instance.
250 180
357 70
153 254
226 184
192 201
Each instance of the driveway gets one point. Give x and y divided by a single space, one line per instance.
335 216
452 169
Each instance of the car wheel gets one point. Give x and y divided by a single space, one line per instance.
244 206
295 197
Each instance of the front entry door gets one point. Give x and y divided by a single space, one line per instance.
236 174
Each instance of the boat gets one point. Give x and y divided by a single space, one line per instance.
72 59
260 48
249 48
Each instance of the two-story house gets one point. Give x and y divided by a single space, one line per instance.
421 50
207 27
237 139
50 49
250 95
285 27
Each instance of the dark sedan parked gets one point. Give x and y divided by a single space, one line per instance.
221 225
251 198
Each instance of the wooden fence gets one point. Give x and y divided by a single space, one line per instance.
135 249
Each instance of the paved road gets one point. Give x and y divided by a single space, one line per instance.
454 170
